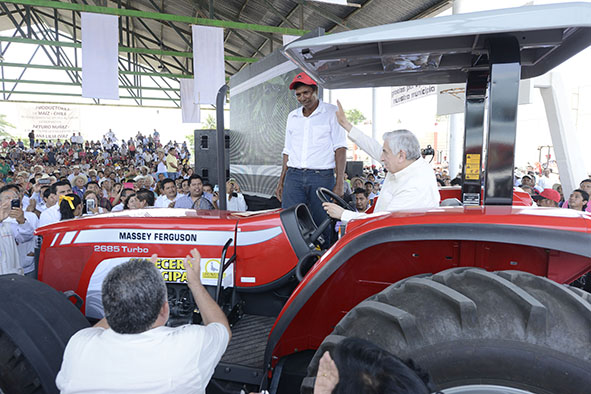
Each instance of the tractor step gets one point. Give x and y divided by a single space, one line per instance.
249 339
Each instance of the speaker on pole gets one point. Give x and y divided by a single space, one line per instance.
206 155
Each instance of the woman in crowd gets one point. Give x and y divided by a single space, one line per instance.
70 206
131 202
91 203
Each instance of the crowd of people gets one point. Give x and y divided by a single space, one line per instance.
546 192
46 182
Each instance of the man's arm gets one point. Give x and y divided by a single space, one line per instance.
208 308
367 144
340 159
279 190
25 231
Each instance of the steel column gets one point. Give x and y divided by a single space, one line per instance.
505 72
221 140
473 136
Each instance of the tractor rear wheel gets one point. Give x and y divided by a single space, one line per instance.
36 323
479 332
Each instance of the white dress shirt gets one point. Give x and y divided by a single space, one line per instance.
414 187
50 215
9 255
161 360
545 182
24 236
236 203
164 202
310 142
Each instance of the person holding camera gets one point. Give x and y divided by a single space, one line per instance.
235 199
91 203
17 243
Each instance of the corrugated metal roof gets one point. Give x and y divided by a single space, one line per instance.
245 43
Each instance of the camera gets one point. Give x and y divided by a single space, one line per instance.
90 205
44 181
428 151
16 203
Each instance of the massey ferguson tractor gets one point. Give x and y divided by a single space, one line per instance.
476 294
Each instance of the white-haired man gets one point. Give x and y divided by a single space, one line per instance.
410 183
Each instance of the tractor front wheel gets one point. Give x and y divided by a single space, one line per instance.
479 332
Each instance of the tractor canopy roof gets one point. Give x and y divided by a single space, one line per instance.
443 49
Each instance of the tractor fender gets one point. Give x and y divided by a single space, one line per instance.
573 242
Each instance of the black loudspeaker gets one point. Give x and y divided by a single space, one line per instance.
206 155
354 168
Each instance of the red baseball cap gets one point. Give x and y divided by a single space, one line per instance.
549 194
302 78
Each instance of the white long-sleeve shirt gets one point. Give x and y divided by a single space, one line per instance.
310 142
50 215
414 187
25 239
236 203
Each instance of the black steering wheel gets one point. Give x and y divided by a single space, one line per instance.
325 195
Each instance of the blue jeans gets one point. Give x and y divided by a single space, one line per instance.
300 187
172 175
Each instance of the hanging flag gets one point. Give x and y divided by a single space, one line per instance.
100 50
208 63
191 111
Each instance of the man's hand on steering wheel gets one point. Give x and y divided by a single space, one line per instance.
333 210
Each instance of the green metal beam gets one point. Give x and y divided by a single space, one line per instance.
79 84
122 49
157 16
80 95
103 105
64 68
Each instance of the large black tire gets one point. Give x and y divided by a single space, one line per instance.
467 326
36 323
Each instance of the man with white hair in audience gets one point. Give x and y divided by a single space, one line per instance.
410 183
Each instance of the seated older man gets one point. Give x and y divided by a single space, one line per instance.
132 351
410 183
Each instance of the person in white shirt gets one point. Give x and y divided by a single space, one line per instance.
125 193
161 168
132 351
52 214
314 151
235 199
410 183
24 226
18 228
74 174
544 181
170 195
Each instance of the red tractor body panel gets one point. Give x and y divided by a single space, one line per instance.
72 250
374 253
411 243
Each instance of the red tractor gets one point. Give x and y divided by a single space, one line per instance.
477 294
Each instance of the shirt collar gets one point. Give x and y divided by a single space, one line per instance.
320 109
407 170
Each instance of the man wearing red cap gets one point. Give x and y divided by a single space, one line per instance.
314 151
547 198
